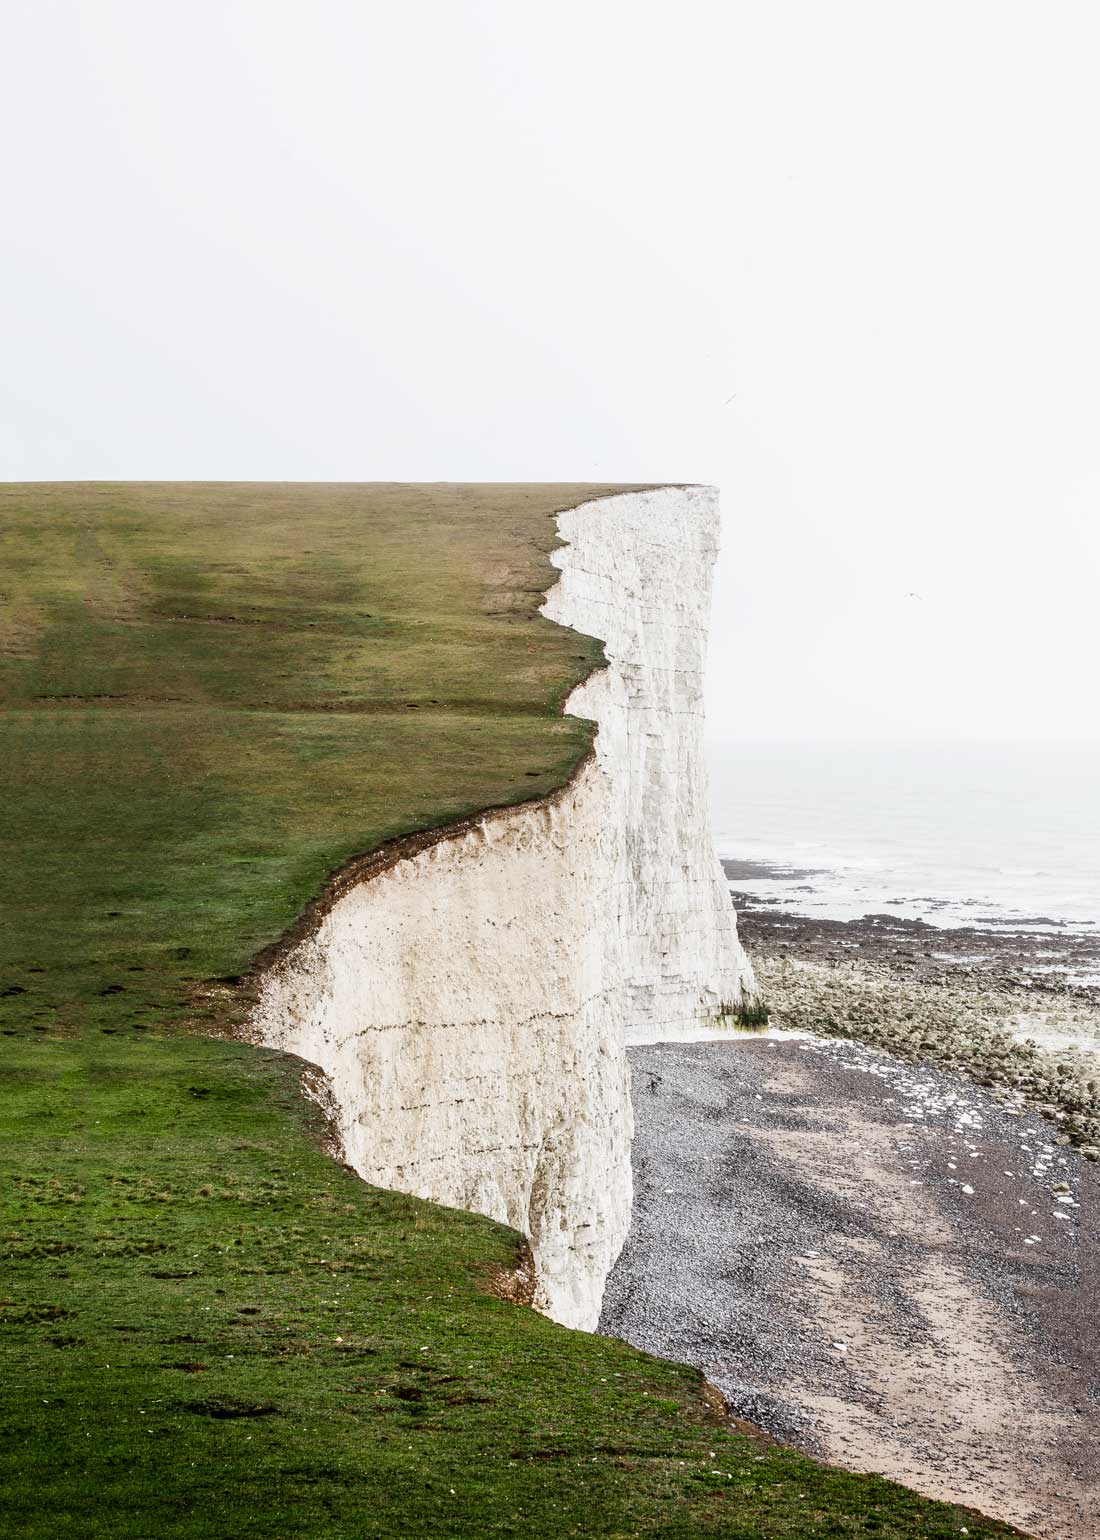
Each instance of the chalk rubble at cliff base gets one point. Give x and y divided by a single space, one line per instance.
472 1003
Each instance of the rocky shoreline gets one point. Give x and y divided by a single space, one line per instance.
997 1005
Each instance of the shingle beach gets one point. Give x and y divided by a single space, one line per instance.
873 1256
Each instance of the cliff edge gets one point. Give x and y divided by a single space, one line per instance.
471 1002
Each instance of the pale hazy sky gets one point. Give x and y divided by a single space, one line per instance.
842 259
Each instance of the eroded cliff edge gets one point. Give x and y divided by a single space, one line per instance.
471 1003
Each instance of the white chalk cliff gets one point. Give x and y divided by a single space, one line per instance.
471 1003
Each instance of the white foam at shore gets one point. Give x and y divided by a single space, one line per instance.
954 834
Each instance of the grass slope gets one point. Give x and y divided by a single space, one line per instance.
212 696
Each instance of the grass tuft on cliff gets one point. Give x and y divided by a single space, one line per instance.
213 696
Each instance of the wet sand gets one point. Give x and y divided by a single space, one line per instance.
875 1261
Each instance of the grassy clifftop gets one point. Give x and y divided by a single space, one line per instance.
213 696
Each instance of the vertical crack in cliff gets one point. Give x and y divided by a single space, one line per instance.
471 1001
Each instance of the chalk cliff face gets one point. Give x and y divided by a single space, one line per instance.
637 574
471 1003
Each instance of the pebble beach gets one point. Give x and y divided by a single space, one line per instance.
874 1226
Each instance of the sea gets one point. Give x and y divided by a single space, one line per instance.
990 836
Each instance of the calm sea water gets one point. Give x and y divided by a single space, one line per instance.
957 835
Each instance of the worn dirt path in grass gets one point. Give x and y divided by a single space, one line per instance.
875 1262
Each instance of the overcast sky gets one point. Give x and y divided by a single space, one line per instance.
842 259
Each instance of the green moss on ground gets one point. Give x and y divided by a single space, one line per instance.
213 696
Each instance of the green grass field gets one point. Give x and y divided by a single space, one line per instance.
213 696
